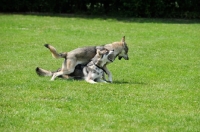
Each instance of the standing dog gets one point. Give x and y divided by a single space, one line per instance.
83 56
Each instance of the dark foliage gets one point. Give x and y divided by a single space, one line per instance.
126 8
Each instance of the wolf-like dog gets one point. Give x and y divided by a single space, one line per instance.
82 56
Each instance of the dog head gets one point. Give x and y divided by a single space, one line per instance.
124 53
103 56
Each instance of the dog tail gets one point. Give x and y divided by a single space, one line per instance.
54 53
43 72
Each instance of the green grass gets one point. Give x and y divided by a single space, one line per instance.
156 90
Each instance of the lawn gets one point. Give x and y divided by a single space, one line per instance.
157 89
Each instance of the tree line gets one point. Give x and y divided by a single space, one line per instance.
126 8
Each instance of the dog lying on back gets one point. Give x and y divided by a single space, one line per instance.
94 71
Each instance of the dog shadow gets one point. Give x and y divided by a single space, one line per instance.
114 82
127 82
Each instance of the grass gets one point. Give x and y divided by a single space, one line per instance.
156 90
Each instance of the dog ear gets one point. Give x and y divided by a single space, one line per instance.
100 47
98 51
104 51
123 39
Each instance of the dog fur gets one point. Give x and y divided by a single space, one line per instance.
82 56
93 71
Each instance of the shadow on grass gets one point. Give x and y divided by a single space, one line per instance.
115 18
126 82
114 82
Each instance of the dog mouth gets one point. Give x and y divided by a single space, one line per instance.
110 60
111 57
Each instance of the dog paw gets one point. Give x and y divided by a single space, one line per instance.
52 80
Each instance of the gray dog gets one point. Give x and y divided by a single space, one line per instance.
82 56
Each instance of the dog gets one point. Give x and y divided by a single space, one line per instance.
93 71
82 56
77 74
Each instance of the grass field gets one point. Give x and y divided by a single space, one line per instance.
158 89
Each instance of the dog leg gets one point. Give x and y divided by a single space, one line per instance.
67 68
109 74
88 76
56 74
90 81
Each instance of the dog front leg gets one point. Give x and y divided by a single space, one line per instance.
109 74
89 77
90 81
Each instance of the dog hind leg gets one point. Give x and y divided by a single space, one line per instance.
67 68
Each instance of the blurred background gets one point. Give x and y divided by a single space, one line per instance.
189 9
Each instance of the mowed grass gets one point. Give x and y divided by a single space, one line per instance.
158 89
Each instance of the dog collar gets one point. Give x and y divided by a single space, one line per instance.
100 67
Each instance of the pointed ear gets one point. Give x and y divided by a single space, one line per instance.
102 52
123 39
98 51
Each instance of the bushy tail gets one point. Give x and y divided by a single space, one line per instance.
42 72
55 54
